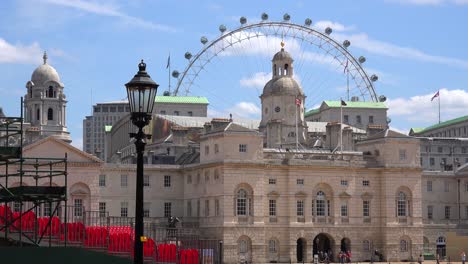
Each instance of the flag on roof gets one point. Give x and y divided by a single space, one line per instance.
168 61
435 95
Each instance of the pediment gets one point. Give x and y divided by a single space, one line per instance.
301 194
366 196
273 194
52 147
344 195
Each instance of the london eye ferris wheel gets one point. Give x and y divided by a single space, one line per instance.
233 67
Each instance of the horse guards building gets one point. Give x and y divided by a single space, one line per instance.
280 189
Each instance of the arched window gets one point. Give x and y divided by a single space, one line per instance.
50 92
366 245
38 114
50 114
440 240
321 204
401 204
403 245
286 69
243 246
274 70
272 246
241 204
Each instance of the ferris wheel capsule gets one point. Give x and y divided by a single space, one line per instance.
328 30
346 43
243 20
362 59
374 78
308 22
382 98
188 55
286 17
203 40
264 16
222 28
175 74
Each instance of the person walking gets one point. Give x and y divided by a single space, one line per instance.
437 258
420 259
463 257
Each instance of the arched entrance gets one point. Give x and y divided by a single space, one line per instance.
441 248
345 244
301 250
323 247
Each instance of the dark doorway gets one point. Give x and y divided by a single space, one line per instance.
345 244
301 246
323 247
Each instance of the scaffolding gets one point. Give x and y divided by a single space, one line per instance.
28 185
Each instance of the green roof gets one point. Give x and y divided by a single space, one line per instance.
350 104
417 129
181 99
444 124
107 128
311 112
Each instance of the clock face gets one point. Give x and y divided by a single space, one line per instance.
277 109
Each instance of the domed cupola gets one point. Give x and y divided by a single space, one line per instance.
45 104
44 73
283 104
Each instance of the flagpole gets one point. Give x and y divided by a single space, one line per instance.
439 106
341 125
169 73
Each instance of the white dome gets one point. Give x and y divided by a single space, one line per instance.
43 74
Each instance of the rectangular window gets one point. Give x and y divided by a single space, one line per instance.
366 208
146 180
190 113
272 207
300 181
428 149
430 209
365 183
189 208
300 208
124 209
123 181
102 180
176 113
162 112
271 181
242 148
207 175
344 183
402 153
207 207
440 149
198 208
167 209
446 186
344 210
216 207
102 209
358 119
447 212
207 150
216 148
371 119
429 186
346 119
463 150
167 181
189 179
146 209
78 210
431 161
47 210
320 207
466 186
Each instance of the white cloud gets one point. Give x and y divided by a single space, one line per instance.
335 26
453 103
363 41
258 80
429 2
244 109
110 10
19 53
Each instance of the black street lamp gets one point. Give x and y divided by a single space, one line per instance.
141 92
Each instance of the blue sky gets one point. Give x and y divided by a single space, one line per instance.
415 46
